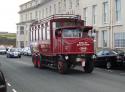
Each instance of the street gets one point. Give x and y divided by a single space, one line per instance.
21 76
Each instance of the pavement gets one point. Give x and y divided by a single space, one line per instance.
21 76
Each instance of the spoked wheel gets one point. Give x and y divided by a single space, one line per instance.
62 67
108 65
39 64
89 66
34 61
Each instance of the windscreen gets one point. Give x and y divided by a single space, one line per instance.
72 33
75 33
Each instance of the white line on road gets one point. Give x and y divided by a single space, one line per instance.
14 90
9 84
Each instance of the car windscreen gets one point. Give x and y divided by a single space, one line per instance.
2 48
13 50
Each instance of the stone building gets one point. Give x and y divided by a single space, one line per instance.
106 17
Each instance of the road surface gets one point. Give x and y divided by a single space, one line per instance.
21 76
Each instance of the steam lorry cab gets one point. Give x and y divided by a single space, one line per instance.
62 42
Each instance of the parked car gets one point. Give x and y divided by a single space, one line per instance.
109 58
2 50
3 86
13 52
27 51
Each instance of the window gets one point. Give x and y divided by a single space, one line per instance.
33 35
118 10
104 38
94 14
70 4
25 17
64 4
72 33
36 33
77 3
59 7
105 12
40 32
22 44
36 15
39 14
100 53
43 13
50 10
22 28
44 32
54 8
119 40
46 26
21 17
46 12
48 34
31 16
21 32
85 14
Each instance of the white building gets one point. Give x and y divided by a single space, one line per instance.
106 16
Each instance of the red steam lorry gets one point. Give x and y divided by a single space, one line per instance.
62 42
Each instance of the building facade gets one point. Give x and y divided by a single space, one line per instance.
106 17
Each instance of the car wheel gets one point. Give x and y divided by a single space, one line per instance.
8 55
19 56
108 65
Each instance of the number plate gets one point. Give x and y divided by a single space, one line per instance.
83 63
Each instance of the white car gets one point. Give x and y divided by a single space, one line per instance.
2 50
27 51
13 52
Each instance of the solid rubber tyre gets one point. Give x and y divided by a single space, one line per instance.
34 59
62 67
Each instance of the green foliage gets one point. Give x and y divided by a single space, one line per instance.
8 36
8 39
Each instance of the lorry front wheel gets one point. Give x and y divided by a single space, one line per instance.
62 67
89 66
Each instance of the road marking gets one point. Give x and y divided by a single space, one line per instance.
122 73
14 90
9 84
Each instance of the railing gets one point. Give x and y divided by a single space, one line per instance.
56 16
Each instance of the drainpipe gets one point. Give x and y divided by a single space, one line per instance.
111 41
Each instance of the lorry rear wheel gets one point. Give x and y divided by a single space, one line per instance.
39 64
62 67
34 59
89 66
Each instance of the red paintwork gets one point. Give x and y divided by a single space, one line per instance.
61 45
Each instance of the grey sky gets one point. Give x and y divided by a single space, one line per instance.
9 15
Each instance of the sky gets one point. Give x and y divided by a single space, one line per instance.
9 15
